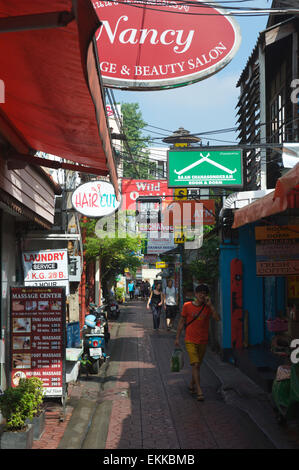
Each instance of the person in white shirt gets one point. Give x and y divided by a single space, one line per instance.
136 292
170 302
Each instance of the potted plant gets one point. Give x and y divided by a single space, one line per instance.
34 387
16 406
120 294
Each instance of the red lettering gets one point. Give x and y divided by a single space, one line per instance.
94 200
78 200
84 201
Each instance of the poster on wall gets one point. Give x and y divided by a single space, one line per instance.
37 345
277 250
48 268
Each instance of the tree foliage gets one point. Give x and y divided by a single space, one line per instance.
133 125
205 267
116 253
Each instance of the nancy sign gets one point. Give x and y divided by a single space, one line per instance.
95 199
156 44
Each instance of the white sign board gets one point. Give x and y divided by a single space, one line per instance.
48 268
157 246
95 199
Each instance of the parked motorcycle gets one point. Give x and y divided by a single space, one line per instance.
113 309
95 339
101 312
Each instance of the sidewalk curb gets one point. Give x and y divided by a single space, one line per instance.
84 410
240 391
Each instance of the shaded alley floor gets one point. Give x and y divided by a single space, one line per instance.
137 403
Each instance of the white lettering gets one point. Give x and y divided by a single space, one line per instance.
163 39
145 32
179 41
130 36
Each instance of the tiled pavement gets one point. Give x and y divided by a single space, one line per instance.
145 405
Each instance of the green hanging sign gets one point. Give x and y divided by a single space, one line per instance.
205 167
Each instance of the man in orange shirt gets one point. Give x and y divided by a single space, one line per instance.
196 318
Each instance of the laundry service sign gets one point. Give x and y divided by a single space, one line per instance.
157 44
205 167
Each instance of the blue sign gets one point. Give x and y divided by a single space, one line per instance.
73 335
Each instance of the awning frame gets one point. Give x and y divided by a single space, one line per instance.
55 19
17 160
23 152
273 203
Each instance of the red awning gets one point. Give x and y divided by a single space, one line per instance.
284 196
53 96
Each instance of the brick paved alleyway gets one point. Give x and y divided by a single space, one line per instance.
137 403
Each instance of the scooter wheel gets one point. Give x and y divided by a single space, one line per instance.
94 367
281 420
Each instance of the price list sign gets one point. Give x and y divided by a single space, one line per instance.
38 337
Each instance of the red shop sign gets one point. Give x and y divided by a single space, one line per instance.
161 44
132 189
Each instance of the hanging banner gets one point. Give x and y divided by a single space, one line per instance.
38 337
131 189
152 45
277 250
205 167
95 199
47 268
155 246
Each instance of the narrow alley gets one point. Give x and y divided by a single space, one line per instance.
136 402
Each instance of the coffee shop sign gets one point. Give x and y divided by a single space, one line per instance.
95 199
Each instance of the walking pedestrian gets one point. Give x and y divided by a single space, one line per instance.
170 302
131 288
147 288
155 303
136 293
142 290
195 317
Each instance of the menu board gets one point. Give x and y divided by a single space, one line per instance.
37 344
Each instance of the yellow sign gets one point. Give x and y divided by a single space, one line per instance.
180 194
161 265
181 145
276 232
179 237
293 287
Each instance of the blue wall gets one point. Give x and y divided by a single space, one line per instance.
252 285
263 298
227 253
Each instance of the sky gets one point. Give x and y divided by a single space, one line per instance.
207 105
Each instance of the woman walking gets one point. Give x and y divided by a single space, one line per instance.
155 303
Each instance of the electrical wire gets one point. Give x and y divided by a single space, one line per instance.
112 101
238 11
257 147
